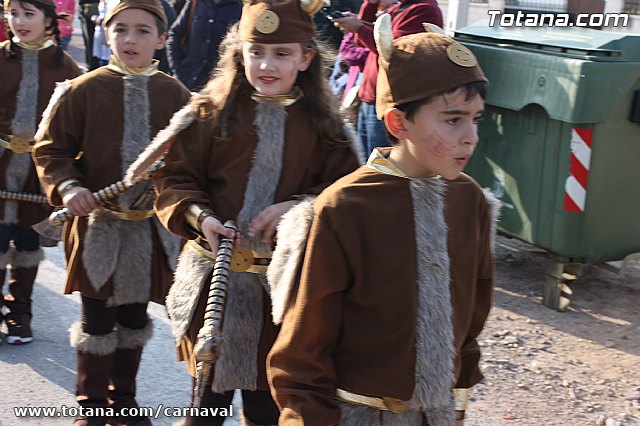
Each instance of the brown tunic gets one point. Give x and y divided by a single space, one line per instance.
83 142
213 173
11 72
353 322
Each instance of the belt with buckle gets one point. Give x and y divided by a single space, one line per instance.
243 259
131 215
17 145
394 405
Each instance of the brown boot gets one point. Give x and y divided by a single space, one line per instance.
94 361
24 268
126 361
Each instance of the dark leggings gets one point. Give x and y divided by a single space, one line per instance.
99 319
257 406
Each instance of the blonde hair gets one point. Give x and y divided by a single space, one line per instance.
228 83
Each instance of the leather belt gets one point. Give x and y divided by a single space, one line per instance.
17 145
131 215
243 260
394 405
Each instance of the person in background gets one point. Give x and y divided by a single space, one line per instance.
407 17
192 48
101 50
86 11
3 24
30 66
66 10
161 54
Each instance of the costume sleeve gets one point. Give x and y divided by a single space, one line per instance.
352 54
59 142
301 371
470 372
181 182
338 161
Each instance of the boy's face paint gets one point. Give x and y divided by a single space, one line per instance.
27 22
272 69
133 37
443 134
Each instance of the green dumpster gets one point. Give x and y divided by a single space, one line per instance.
560 141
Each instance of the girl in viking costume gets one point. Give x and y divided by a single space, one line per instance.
119 256
30 66
396 279
262 134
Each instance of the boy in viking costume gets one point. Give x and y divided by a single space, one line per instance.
118 256
30 66
261 134
397 275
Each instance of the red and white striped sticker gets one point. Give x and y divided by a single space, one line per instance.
575 187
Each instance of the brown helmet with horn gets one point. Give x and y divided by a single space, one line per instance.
278 21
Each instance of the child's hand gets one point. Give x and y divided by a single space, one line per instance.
79 201
267 220
211 228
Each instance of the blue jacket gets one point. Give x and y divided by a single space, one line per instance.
209 25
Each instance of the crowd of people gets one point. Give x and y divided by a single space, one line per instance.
362 262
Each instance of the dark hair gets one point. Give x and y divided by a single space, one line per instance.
410 109
160 24
228 82
49 11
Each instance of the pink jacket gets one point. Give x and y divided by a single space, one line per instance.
65 6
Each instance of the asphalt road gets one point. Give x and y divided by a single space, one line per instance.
42 373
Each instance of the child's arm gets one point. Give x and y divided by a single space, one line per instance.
180 184
470 353
301 370
338 162
59 142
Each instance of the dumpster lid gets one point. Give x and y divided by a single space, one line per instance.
574 42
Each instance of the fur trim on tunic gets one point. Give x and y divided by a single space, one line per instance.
26 259
284 269
24 121
100 345
266 168
123 250
192 272
23 125
357 415
133 338
495 206
237 366
435 349
16 175
61 89
5 258
160 144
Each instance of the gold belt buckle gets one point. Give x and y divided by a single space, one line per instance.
19 145
242 259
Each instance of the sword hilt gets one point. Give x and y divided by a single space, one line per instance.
59 217
207 347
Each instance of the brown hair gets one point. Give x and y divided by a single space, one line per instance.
228 82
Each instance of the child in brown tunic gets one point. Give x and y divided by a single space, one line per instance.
396 278
30 65
261 135
118 256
